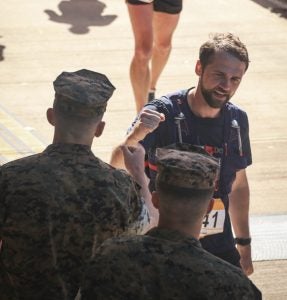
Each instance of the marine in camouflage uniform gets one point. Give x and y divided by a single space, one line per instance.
58 206
169 262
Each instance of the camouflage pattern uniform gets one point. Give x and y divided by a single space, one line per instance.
167 264
56 208
163 264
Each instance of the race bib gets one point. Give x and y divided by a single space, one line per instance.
214 221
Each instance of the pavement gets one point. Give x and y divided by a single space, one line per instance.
40 39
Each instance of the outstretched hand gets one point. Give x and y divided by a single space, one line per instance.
134 159
147 122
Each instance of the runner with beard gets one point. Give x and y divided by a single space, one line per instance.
203 116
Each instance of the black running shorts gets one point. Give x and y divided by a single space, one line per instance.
165 6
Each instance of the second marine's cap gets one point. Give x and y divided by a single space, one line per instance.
188 170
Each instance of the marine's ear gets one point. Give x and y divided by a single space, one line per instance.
100 128
50 116
155 199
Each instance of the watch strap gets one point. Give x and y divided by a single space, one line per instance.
242 241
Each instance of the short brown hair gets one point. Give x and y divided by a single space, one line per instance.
226 42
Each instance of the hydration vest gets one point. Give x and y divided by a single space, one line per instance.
170 131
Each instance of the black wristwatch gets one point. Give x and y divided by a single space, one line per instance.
242 241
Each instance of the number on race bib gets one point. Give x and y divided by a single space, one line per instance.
214 221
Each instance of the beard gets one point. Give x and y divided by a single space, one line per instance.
210 97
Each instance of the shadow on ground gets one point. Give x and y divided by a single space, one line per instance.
278 7
2 47
1 52
81 14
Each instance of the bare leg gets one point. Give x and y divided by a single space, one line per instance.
141 20
164 26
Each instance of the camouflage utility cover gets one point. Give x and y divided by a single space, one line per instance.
164 265
184 169
55 209
83 92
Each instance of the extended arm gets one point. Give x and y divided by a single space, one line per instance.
134 162
239 214
147 122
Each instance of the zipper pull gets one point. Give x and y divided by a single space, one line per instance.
180 117
234 124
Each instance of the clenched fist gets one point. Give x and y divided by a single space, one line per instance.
148 121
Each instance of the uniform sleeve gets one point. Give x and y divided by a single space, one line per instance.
140 218
136 217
